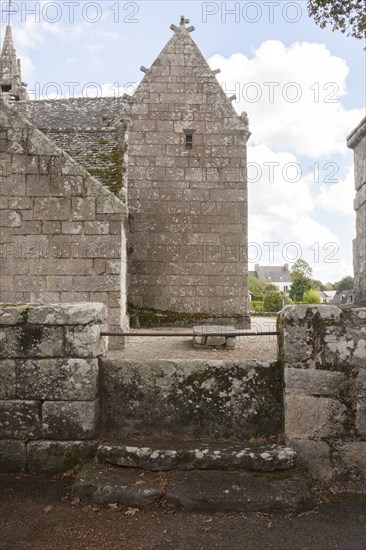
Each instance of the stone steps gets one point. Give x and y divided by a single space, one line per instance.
194 490
190 455
196 476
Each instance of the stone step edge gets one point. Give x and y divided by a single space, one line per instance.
193 456
195 490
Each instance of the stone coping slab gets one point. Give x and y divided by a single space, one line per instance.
190 455
82 313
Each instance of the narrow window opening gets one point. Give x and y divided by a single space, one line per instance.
189 141
5 87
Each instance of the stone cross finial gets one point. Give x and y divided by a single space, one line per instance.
183 21
182 25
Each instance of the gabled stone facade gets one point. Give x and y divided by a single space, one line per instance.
187 188
175 152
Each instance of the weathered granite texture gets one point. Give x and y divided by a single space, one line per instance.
49 405
88 129
357 141
62 232
323 351
187 188
191 398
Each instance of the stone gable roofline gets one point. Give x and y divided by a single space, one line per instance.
183 40
11 118
354 138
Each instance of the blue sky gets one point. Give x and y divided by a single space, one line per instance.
317 80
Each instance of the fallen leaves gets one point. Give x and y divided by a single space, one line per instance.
131 511
48 508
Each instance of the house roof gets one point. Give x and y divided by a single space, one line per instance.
342 296
273 273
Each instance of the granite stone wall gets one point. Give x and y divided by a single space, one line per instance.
323 351
357 141
49 406
187 188
62 233
191 398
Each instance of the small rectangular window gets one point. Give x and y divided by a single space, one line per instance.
189 141
5 87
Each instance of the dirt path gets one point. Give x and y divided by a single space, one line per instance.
37 513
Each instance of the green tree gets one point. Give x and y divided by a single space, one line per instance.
318 284
311 296
346 16
273 301
301 267
344 284
300 284
301 281
258 287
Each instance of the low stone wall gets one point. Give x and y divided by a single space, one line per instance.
191 398
323 350
49 407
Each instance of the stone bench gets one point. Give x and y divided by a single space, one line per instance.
214 336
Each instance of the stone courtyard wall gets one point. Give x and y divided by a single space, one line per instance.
62 231
49 407
323 351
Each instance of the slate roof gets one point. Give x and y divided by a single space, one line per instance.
272 273
344 297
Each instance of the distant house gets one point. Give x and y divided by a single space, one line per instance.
276 275
344 297
327 296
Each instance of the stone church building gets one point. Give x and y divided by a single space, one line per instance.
136 200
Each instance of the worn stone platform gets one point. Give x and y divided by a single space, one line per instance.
191 455
196 490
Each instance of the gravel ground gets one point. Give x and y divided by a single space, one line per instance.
260 348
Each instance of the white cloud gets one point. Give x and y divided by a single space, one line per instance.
338 198
267 85
282 221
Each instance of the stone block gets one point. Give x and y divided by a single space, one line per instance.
68 314
352 456
85 341
313 417
361 416
57 379
314 456
31 341
7 379
13 457
83 208
192 398
51 209
12 315
313 382
59 456
62 420
360 384
20 420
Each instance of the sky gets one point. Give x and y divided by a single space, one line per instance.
303 89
